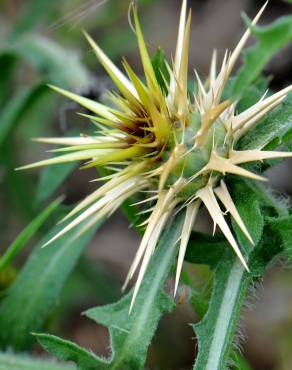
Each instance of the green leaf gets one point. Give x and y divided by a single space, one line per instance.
90 278
69 351
199 288
283 227
22 102
38 286
248 206
252 94
21 112
62 67
54 176
239 362
268 198
205 249
131 212
270 39
10 361
7 67
26 234
130 335
269 247
34 12
273 131
160 69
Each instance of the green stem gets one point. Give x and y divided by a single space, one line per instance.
216 331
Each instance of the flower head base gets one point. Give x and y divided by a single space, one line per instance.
164 141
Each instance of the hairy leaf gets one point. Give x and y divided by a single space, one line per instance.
10 361
130 335
272 131
283 227
270 39
69 351
38 286
248 207
252 94
239 362
268 197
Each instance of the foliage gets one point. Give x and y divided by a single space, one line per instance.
26 234
21 362
28 302
270 39
131 335
44 273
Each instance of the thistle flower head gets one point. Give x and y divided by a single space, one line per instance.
160 139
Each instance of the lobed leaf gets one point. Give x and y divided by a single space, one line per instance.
270 39
130 334
69 351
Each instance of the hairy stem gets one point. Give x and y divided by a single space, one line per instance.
216 331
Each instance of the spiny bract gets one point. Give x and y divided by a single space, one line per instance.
160 139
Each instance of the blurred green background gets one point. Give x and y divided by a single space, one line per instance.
41 42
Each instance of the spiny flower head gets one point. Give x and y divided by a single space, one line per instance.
163 141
